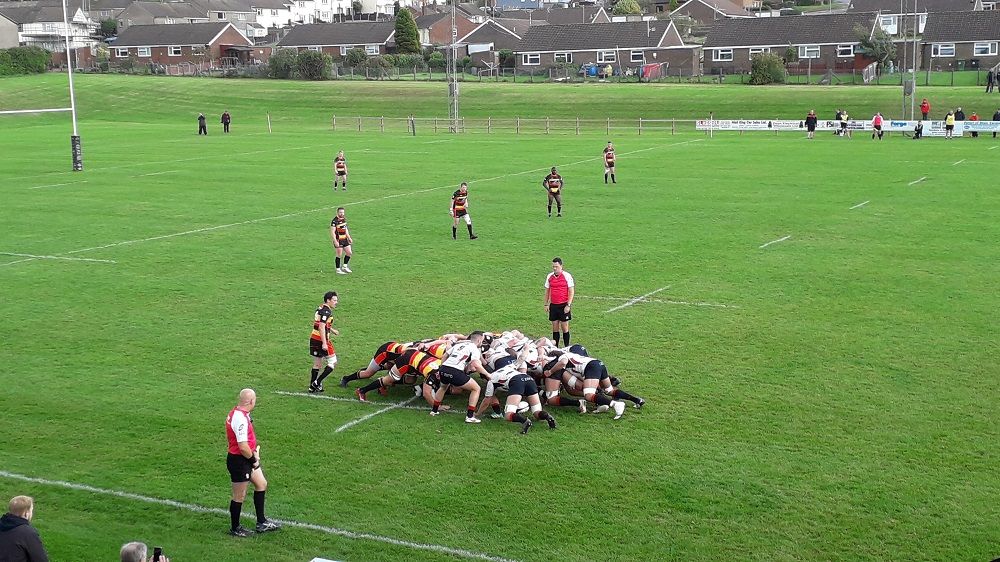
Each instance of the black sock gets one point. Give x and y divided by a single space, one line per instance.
454 232
555 338
602 400
326 373
234 514
258 505
559 208
469 226
515 417
497 409
352 377
622 395
543 415
338 263
371 386
550 208
568 401
565 338
347 259
613 179
315 374
605 178
470 412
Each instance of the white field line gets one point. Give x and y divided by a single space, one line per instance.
994 147
367 417
327 208
57 184
782 239
285 522
659 301
916 181
959 162
33 256
449 140
860 205
374 151
630 302
356 401
157 173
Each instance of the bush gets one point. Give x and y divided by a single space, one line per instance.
355 57
465 63
409 61
282 63
766 68
313 65
378 66
24 60
437 60
507 59
407 35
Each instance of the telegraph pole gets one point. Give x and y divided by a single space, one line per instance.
452 62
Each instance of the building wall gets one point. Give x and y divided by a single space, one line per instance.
334 51
440 32
741 60
963 53
8 33
547 60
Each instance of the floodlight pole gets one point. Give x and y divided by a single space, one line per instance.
452 62
75 139
913 74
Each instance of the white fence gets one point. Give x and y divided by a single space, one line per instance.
931 128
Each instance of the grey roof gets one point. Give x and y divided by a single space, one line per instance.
271 4
962 26
726 7
906 6
169 9
471 9
98 5
788 30
330 34
33 13
561 16
519 27
590 36
223 5
492 32
176 34
424 22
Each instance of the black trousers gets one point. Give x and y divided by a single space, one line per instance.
225 127
202 130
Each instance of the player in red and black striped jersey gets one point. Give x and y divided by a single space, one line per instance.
407 366
340 170
384 357
459 209
320 347
609 163
340 237
553 184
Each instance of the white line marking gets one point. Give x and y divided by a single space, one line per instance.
373 151
286 522
994 147
660 301
437 141
57 184
351 424
33 256
916 181
860 205
355 401
636 299
327 208
774 241
959 162
156 173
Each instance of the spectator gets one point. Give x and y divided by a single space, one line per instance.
918 130
949 125
226 120
202 128
608 72
811 121
991 79
137 551
996 117
836 118
925 108
959 115
877 126
974 117
19 541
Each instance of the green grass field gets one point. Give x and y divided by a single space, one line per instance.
839 406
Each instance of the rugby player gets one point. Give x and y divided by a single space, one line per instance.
609 163
320 347
460 209
553 184
340 170
340 236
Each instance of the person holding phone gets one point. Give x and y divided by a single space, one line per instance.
136 552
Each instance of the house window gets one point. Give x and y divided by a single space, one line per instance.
121 53
325 15
759 51
261 12
531 59
923 22
722 55
220 15
563 57
808 51
241 17
989 5
985 49
371 50
844 51
942 50
637 56
174 51
606 56
142 51
274 12
343 50
888 24
105 13
316 49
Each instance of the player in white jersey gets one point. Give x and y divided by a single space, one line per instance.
518 385
462 358
594 375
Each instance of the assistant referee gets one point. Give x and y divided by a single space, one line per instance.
243 463
559 290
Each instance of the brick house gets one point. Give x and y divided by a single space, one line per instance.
895 16
8 32
335 39
435 29
484 43
823 42
183 42
150 13
707 12
956 40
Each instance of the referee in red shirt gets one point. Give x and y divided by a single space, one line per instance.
243 463
559 290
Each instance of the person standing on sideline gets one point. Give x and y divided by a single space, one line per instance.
918 130
136 552
811 121
925 109
339 170
19 541
844 120
459 209
974 117
877 126
226 120
996 117
949 125
553 184
342 241
559 291
836 118
202 127
320 347
959 115
609 163
243 463
991 80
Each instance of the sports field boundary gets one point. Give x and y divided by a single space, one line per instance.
194 508
657 301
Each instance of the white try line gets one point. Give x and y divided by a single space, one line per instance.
630 302
57 184
782 239
157 173
351 424
329 207
860 205
916 181
285 522
33 256
994 147
659 301
959 162
356 401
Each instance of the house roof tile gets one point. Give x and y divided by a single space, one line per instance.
788 30
329 34
590 36
175 34
962 26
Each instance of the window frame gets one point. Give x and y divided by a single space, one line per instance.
371 50
565 55
758 51
633 53
119 50
526 59
175 51
805 49
607 57
314 49
840 50
991 49
143 52
718 55
936 49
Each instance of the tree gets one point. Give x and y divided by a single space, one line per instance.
626 8
407 36
673 5
355 57
356 9
877 45
313 65
766 68
282 63
109 28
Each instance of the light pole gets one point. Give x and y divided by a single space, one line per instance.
75 139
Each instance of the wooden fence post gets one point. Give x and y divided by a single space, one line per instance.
517 125
359 124
640 126
381 123
577 125
334 122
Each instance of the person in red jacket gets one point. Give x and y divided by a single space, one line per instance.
925 108
974 117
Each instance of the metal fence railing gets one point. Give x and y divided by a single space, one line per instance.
510 125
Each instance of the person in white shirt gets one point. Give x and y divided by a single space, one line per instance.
594 374
462 358
518 385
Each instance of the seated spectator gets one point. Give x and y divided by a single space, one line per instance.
19 541
136 552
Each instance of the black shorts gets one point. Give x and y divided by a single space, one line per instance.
343 243
877 127
239 468
949 127
316 349
595 370
452 376
843 126
558 313
503 362
341 172
460 214
811 128
522 385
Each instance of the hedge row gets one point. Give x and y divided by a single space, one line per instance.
24 60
